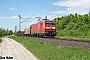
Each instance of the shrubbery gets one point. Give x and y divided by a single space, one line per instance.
4 32
0 39
73 25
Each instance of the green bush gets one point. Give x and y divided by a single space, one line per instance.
0 39
4 32
73 26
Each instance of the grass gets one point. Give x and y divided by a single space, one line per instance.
73 34
0 39
69 37
48 51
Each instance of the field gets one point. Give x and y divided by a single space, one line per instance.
47 51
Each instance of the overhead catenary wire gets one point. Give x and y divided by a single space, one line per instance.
26 19
30 17
56 6
63 7
42 7
80 6
74 8
77 7
39 9
53 7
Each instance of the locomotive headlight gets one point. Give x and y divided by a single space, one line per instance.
53 27
47 27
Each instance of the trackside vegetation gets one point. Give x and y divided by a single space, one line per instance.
0 39
4 32
49 51
73 26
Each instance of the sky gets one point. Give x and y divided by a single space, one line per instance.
30 9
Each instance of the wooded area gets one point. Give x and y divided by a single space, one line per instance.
74 25
4 32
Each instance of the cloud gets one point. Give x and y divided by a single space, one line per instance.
71 7
14 17
56 12
12 8
70 3
11 17
64 3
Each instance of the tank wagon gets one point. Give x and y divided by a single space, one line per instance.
27 31
43 28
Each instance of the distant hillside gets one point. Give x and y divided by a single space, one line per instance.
73 25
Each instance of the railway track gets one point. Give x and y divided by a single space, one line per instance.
74 43
79 40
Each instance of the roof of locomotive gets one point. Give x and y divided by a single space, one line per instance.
46 20
43 20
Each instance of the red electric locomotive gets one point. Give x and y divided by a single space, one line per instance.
44 28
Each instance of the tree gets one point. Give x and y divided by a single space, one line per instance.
89 13
76 24
4 32
10 32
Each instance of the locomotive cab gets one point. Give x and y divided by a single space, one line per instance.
50 28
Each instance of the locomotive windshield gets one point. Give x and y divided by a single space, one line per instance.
49 23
